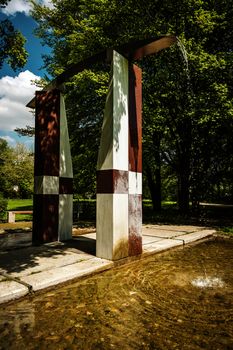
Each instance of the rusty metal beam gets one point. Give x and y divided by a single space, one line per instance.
134 50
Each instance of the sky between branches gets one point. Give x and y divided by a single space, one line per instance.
16 88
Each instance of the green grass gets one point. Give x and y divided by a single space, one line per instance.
210 216
21 204
228 230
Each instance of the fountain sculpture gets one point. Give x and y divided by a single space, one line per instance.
119 166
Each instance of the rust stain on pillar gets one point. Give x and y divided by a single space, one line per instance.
135 159
135 224
135 119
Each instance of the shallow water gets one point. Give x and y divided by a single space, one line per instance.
156 303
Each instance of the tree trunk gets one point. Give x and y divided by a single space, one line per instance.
154 187
183 193
196 186
184 166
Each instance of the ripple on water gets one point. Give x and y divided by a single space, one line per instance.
155 303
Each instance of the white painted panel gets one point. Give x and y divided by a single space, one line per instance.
38 184
120 225
105 156
120 112
135 182
104 226
112 226
65 217
46 185
66 169
113 152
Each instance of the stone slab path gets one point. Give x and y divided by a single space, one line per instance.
30 269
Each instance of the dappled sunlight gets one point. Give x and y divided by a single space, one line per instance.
120 101
65 217
66 169
208 282
47 133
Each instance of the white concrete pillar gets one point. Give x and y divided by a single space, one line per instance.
119 168
112 167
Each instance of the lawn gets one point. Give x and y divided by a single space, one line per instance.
219 217
21 204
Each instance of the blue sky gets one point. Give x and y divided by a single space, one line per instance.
16 88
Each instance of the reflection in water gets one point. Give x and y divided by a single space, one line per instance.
208 282
18 321
149 304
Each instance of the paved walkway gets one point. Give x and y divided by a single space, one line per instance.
30 269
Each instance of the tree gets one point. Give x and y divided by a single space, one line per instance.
27 131
186 105
3 3
12 42
167 123
16 171
4 154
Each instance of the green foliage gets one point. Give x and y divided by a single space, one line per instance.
227 229
16 171
85 100
84 209
12 49
20 204
3 206
187 107
27 131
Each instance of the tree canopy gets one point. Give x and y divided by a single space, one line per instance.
187 104
12 42
16 171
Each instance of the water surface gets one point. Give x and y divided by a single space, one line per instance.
182 299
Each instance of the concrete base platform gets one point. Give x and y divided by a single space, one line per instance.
63 274
30 269
10 290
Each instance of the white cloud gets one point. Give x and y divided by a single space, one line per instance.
15 6
15 93
47 3
9 139
23 6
